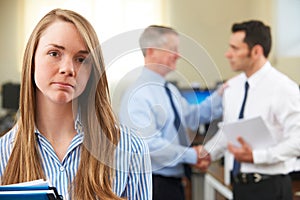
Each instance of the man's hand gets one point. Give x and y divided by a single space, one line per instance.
243 153
221 88
203 158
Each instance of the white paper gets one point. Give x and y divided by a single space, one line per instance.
39 182
254 131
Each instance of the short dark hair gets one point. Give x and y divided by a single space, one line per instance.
256 33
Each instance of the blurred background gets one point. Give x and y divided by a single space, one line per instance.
204 27
204 23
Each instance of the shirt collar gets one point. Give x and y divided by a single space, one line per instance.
257 76
152 76
77 125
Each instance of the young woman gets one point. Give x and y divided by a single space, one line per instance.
66 132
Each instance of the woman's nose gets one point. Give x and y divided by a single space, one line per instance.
67 68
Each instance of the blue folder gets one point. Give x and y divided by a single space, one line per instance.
29 193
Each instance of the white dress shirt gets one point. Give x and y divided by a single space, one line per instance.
275 98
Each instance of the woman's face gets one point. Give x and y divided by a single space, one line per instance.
62 67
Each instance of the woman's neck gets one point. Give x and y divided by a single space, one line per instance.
56 123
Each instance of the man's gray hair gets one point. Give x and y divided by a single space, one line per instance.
154 36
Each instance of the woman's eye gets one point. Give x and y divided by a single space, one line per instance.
81 60
53 53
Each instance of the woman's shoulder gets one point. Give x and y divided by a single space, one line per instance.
8 138
131 141
6 146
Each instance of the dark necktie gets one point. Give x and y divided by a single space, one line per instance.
181 131
236 164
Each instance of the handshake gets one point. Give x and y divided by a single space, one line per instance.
203 158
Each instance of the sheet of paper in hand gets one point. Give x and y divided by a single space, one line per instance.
253 130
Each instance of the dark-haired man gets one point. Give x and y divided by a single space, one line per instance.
260 90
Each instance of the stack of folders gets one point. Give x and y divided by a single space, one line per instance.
32 190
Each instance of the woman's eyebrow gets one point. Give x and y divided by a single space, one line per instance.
63 48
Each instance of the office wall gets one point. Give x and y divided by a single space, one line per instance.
10 32
206 22
10 52
288 37
209 23
290 66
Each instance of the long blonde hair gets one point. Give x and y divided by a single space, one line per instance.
95 175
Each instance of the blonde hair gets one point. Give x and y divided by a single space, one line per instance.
93 180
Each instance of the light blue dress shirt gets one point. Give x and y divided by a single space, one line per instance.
133 166
146 107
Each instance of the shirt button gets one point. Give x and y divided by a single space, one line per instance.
61 169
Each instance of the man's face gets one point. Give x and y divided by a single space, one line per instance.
238 53
168 54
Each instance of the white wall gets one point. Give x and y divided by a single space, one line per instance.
287 50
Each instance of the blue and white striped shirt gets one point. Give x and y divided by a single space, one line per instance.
132 163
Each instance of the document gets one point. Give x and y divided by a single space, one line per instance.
32 190
253 130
